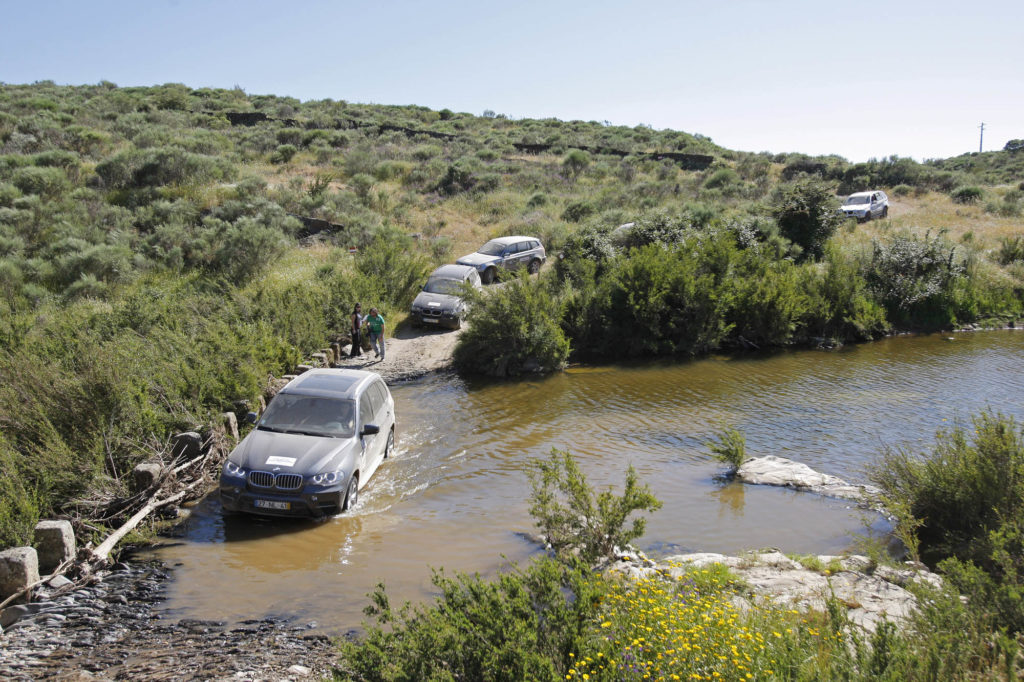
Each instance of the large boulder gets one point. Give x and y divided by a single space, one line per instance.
19 568
186 446
54 543
145 476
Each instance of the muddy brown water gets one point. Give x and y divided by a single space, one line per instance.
454 494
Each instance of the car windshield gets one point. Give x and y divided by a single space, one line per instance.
443 286
492 248
309 415
852 201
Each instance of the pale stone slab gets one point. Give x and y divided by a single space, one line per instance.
54 543
19 568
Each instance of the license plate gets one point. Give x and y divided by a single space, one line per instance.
431 320
272 504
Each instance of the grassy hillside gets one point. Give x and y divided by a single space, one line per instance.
163 250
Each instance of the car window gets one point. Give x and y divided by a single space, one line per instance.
535 244
310 415
492 248
382 396
365 410
524 246
442 286
376 400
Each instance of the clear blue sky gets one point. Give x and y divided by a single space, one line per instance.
861 79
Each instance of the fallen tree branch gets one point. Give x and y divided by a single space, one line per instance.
102 552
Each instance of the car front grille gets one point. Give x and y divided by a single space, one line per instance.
288 481
265 479
433 312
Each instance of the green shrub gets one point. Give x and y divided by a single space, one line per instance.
729 447
513 330
396 269
536 200
521 626
161 166
1011 249
721 178
284 153
807 215
575 162
902 190
290 136
574 520
965 502
967 195
915 279
576 211
458 178
247 247
970 484
41 181
841 305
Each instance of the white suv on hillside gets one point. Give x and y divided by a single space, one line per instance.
866 205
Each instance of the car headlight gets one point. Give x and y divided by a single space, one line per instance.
232 469
328 477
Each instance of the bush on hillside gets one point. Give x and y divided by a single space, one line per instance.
967 195
395 267
807 214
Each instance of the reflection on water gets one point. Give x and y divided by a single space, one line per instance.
455 492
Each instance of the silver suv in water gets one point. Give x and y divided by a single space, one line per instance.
316 445
506 253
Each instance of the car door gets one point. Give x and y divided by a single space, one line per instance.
381 410
368 460
522 253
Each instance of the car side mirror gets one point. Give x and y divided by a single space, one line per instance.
369 430
251 417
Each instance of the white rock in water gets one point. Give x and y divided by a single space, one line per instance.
771 470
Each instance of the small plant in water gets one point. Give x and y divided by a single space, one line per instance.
729 447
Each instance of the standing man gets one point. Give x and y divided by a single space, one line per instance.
375 323
357 324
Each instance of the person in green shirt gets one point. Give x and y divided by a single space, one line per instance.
375 323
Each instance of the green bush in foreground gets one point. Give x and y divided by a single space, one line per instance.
556 621
964 511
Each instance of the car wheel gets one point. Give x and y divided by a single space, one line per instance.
352 494
390 445
534 267
488 275
885 211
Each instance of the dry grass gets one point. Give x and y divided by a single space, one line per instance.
935 213
938 212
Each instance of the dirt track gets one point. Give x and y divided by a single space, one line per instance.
410 354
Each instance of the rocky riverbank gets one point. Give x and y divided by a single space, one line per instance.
869 593
109 630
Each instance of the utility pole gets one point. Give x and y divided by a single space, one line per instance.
982 137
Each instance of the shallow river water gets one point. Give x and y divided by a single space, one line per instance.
454 494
